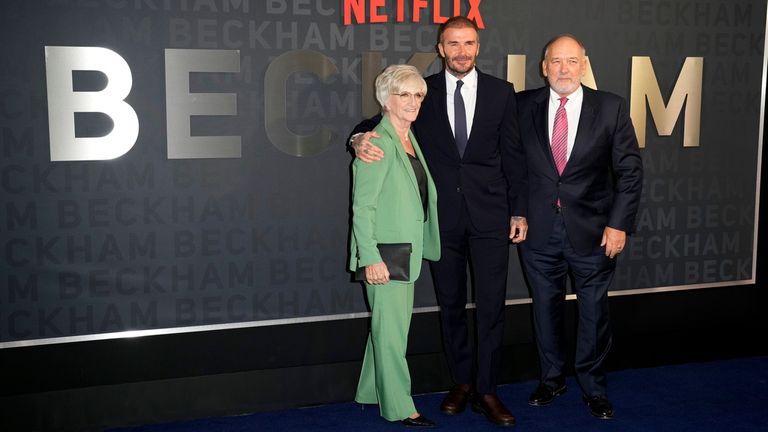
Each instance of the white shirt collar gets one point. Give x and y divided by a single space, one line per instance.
573 98
469 80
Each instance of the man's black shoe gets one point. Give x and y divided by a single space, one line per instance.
599 406
544 394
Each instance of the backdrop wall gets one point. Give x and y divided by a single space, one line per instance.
179 167
190 173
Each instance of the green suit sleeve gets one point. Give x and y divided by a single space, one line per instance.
368 179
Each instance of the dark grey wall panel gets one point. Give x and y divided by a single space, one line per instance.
250 227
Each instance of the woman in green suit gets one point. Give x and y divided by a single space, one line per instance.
393 201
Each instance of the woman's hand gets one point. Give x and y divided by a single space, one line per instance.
377 274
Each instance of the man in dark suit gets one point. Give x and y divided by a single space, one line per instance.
585 179
468 132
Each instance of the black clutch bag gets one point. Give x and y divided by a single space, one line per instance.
397 257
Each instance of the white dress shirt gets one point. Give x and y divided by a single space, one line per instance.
572 111
468 93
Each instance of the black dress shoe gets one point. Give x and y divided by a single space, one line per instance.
493 409
456 399
419 421
544 394
599 406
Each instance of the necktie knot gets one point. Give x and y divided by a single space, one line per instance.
459 83
563 100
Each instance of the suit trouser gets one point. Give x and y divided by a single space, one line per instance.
547 270
488 254
385 378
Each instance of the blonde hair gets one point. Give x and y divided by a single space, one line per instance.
396 78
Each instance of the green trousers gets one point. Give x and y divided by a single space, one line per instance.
385 378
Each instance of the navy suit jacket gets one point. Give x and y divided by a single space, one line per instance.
602 181
491 175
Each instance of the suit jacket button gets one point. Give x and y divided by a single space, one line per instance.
458 189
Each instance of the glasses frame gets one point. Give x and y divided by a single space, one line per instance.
407 96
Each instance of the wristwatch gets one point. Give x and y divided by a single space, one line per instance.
353 138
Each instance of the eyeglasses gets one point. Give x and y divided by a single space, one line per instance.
406 96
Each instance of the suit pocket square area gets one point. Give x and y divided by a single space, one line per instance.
397 257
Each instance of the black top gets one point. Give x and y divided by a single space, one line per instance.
421 179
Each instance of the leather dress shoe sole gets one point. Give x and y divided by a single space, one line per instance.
599 406
452 412
542 398
418 422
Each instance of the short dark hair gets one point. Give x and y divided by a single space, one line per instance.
456 22
564 36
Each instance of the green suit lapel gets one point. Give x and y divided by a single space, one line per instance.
401 155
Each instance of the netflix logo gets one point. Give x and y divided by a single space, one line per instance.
373 11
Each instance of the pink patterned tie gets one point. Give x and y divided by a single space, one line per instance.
560 137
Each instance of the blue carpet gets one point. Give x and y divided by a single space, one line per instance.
727 395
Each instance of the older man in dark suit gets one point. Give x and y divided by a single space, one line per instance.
585 179
468 132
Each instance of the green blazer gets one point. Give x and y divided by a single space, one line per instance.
387 208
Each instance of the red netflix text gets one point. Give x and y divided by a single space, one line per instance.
356 9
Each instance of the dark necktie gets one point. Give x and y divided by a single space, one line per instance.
459 119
